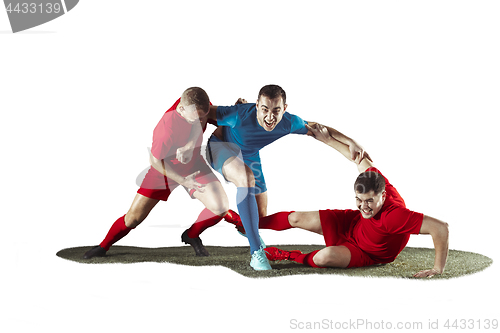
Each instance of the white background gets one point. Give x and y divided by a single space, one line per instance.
416 83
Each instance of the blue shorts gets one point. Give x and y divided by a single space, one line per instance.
219 152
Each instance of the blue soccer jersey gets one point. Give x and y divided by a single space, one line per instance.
241 127
245 136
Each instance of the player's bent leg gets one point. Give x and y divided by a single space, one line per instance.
215 200
139 210
238 173
306 220
333 256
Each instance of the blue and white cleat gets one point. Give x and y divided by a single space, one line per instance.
259 260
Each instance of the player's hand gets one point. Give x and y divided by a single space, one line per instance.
191 183
184 155
427 273
358 153
319 132
241 101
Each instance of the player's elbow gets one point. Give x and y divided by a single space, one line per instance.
441 231
446 229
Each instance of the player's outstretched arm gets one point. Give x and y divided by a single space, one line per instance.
439 232
354 148
322 133
165 169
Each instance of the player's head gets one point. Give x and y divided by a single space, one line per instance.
271 105
194 104
370 193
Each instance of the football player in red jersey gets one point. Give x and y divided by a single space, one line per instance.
169 169
374 233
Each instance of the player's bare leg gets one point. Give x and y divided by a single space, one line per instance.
309 221
306 220
238 173
215 200
262 203
139 210
333 256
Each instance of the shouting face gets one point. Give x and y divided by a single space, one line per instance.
369 204
270 112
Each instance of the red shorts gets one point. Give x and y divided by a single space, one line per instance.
337 228
157 186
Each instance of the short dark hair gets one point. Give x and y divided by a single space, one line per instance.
196 96
272 91
369 181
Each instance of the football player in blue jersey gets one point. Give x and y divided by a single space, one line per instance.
233 150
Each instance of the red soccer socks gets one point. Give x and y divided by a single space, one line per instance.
117 231
305 258
205 220
278 221
275 254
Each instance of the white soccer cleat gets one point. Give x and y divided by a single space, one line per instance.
259 260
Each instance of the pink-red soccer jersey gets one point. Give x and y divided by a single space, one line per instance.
171 133
383 236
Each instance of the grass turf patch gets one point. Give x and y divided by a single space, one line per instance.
410 261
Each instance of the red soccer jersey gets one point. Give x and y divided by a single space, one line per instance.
385 235
171 133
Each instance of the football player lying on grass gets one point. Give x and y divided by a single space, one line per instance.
375 233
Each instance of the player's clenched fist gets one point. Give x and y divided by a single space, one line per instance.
184 155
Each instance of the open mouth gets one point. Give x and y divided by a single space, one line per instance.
269 124
366 211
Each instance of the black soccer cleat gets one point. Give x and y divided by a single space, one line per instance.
96 251
196 243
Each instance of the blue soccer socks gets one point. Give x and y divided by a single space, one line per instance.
249 214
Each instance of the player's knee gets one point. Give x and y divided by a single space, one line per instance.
218 207
322 259
217 204
132 219
245 179
294 220
331 257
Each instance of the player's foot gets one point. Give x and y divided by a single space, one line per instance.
196 243
275 254
233 218
96 251
259 261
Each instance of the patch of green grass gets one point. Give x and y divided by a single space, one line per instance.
410 261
